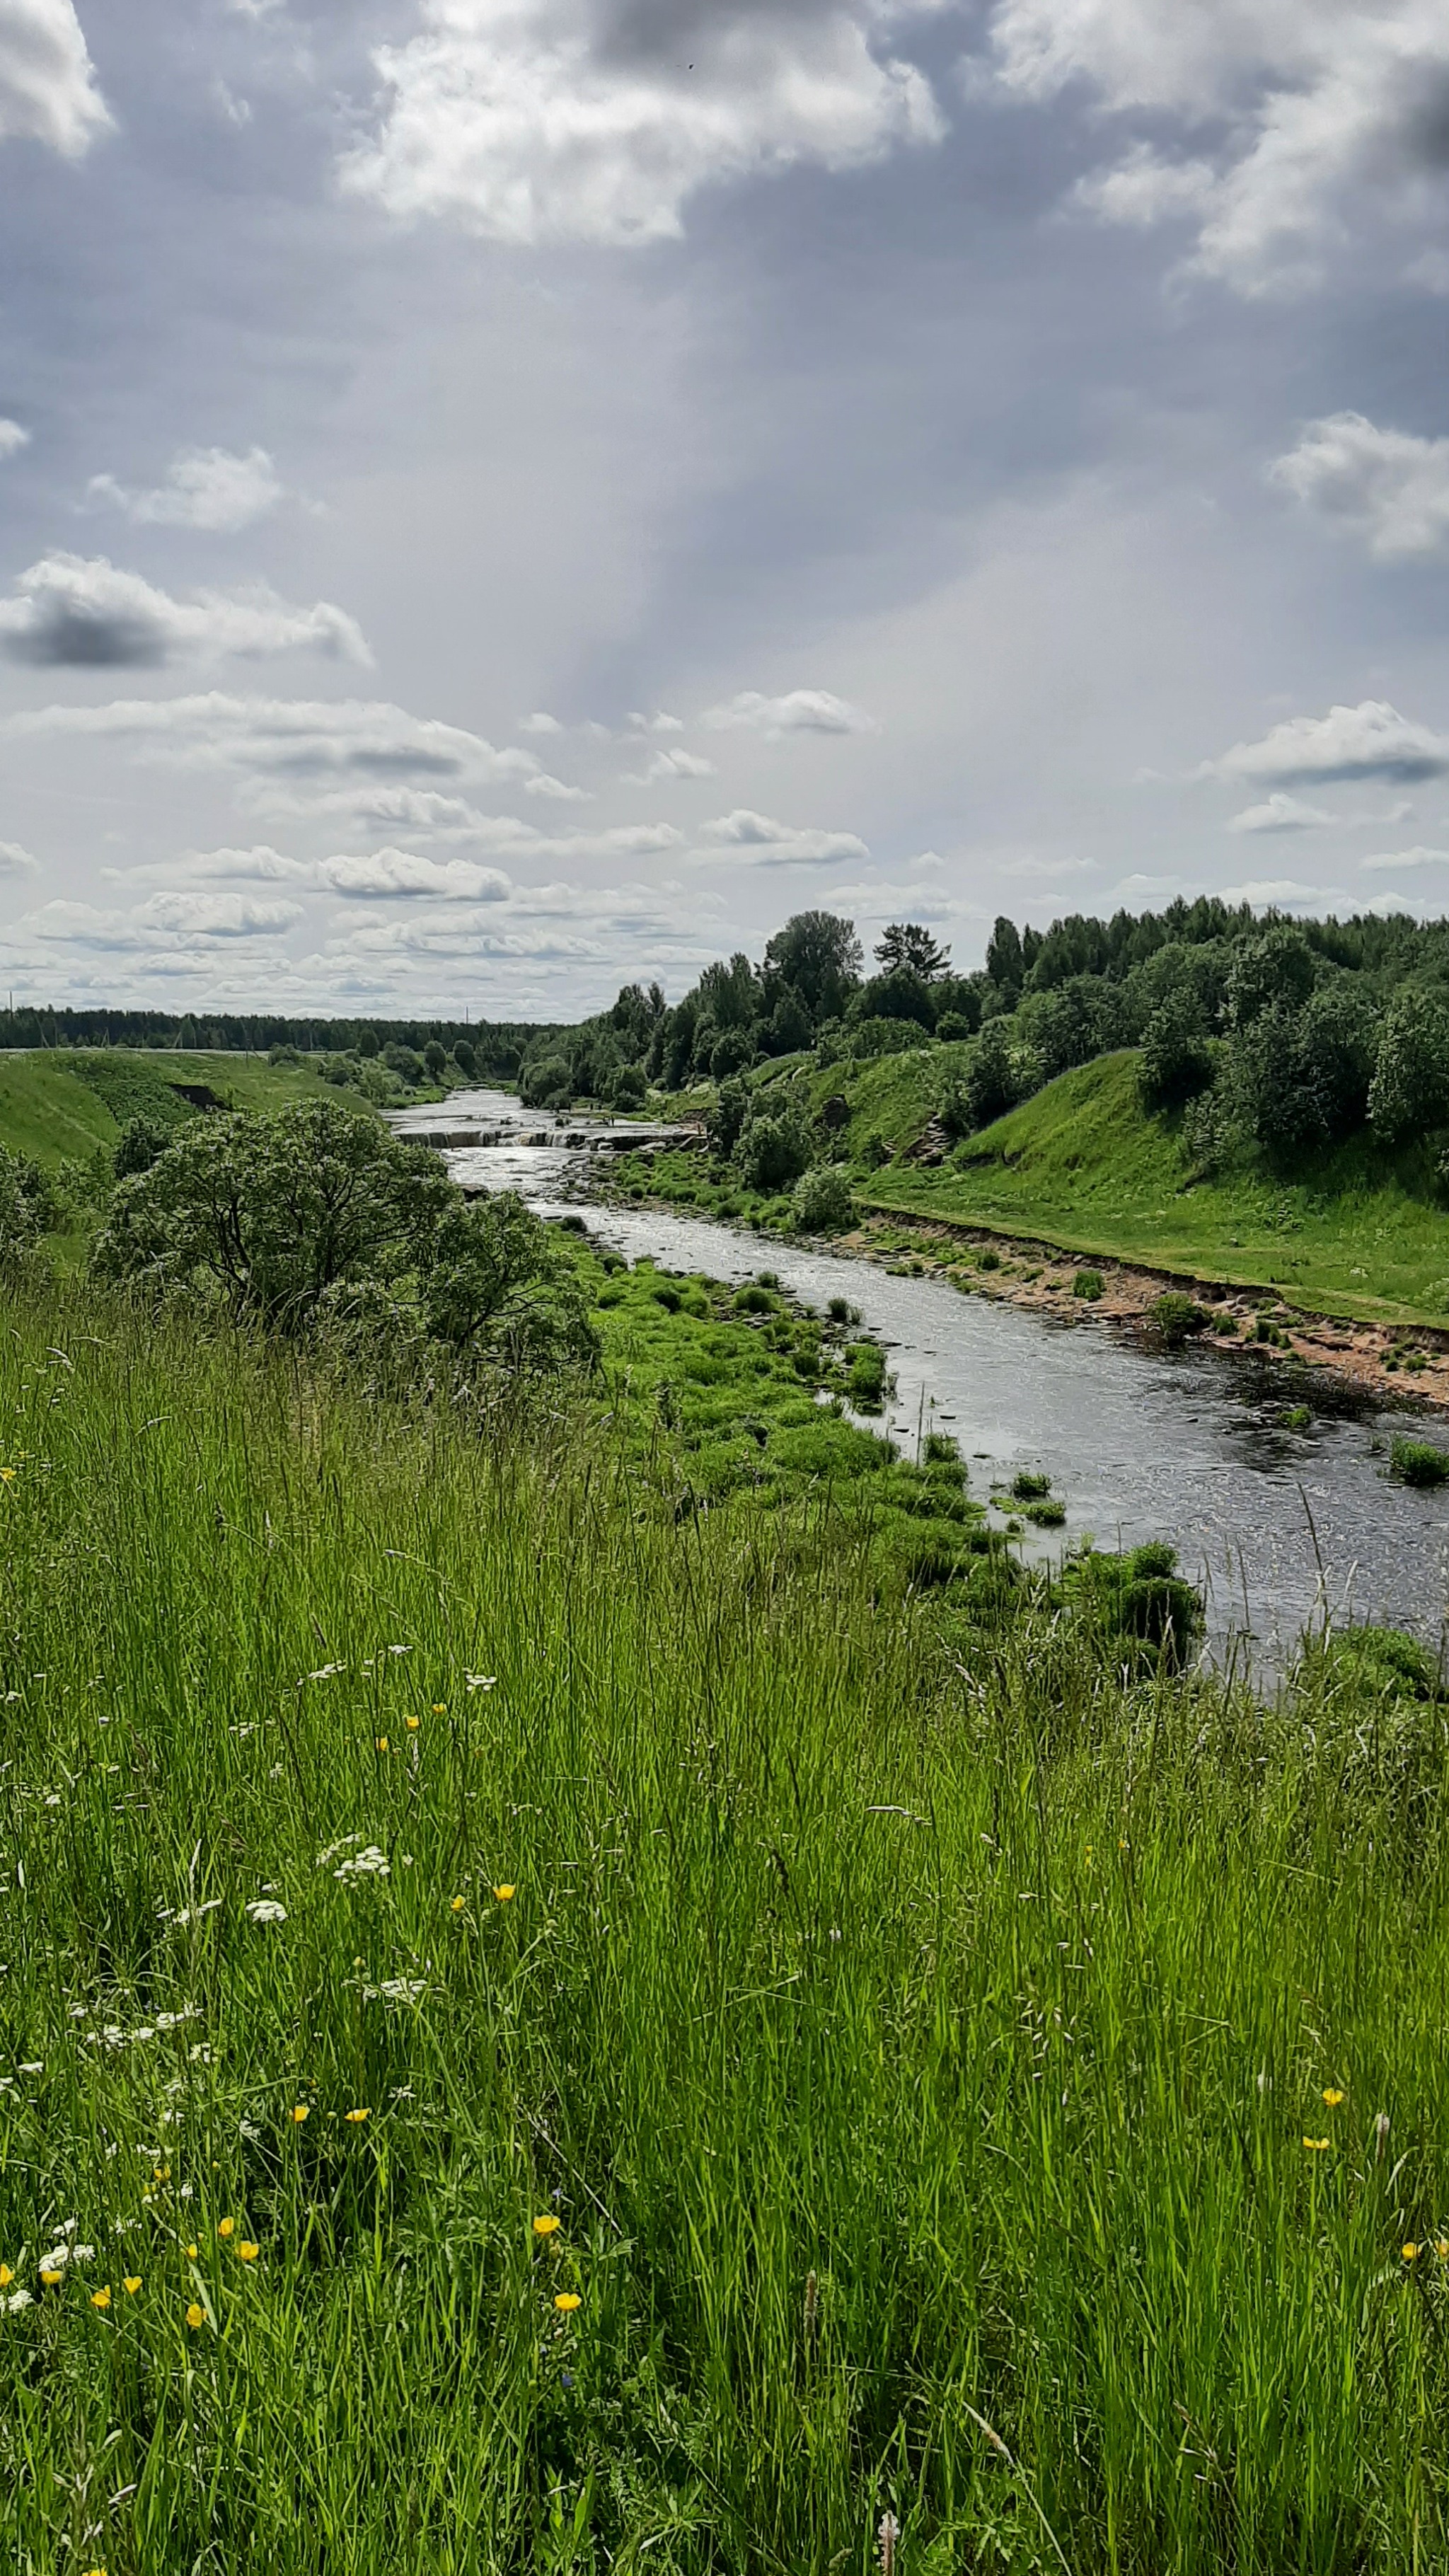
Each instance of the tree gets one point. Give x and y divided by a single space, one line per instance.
725 1122
1004 962
26 1207
434 1057
1410 1087
820 955
1276 970
463 1057
546 1083
142 1142
900 994
495 1280
266 1214
1177 1059
772 1152
821 1201
905 943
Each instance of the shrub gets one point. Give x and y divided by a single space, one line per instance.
866 1376
435 1056
140 1144
1177 1316
953 1026
464 1058
1048 1513
626 1087
875 1151
26 1207
988 1260
1418 1462
546 1083
821 1201
772 1152
1029 1487
1087 1283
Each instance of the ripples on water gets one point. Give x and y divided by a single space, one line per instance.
1185 1446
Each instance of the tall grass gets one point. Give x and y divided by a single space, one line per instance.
918 2056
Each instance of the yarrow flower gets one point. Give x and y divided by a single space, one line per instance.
265 1909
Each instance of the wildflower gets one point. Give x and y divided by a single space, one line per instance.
161 2173
101 2298
1410 2253
51 2280
1441 2248
413 1724
887 2536
195 2316
439 1708
1315 2145
457 1905
504 1894
548 2225
246 2252
382 1744
481 1681
265 1909
367 1863
6 2276
1381 2135
191 2252
226 2227
357 2115
1332 2097
7 1475
300 2111
567 2301
17 2300
131 2284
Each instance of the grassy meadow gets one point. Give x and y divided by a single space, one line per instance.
544 2032
59 1103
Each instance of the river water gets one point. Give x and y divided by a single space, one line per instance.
1187 1446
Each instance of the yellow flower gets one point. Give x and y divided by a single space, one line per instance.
1332 2097
101 2298
131 2284
6 2276
161 2173
1410 2253
567 2301
382 1744
300 2111
7 1475
440 1708
51 2280
413 1724
503 1894
457 1905
191 2253
1441 2248
357 2115
226 2227
1315 2145
547 2225
246 2252
195 2316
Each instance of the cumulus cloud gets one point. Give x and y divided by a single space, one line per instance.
15 861
1383 485
668 765
757 842
205 487
539 722
12 438
71 611
1315 108
596 120
48 91
1385 860
1280 894
799 711
1280 813
176 915
1368 741
303 748
385 875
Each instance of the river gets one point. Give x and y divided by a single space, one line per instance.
1189 1446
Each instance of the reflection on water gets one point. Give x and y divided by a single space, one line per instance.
1186 1446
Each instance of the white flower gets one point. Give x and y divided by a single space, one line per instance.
36 2067
189 1913
17 2300
481 1681
367 1863
325 1672
334 1851
396 1990
265 1909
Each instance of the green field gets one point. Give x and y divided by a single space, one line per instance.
58 1104
545 2033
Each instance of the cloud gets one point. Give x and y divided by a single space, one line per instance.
1280 893
205 487
14 861
659 722
667 765
556 790
1384 486
800 711
539 723
1315 108
595 120
1416 858
82 613
48 90
757 842
176 915
402 874
12 438
1280 813
1368 741
309 750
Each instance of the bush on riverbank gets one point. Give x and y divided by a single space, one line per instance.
538 2032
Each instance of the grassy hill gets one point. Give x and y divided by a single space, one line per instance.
57 1103
1082 1165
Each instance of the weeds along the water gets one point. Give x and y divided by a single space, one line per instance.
535 2038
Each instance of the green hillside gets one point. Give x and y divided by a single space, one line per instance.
1083 1165
57 1103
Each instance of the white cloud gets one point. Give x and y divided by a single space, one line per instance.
595 120
1383 860
260 865
667 765
757 842
391 874
1368 741
799 711
48 90
539 723
556 790
1281 893
301 749
14 861
1316 108
12 438
1280 813
657 723
75 612
176 915
205 487
1383 485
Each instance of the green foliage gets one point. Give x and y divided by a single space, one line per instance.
1418 1462
1176 1061
546 1083
1088 1284
494 1278
773 1151
464 1058
1410 1087
1177 1317
1028 1485
821 1200
142 1142
908 944
27 1209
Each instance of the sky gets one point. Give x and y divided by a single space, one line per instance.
504 497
